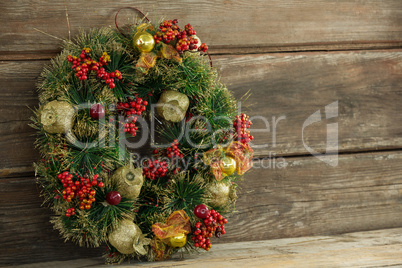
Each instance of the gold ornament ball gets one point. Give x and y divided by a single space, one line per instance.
178 241
228 165
144 42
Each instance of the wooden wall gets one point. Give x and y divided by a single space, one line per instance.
296 57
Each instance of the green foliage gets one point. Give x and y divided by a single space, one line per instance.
184 192
96 151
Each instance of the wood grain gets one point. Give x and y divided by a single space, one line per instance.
366 85
309 197
227 26
362 249
293 86
26 233
306 198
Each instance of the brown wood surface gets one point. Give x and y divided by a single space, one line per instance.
366 85
381 248
307 197
227 26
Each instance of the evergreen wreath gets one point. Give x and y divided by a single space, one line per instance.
97 100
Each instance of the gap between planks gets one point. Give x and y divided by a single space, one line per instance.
27 171
239 50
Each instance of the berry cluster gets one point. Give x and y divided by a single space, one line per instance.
84 63
81 188
212 225
70 212
241 124
189 29
131 109
130 127
186 39
132 106
169 31
173 153
154 169
190 43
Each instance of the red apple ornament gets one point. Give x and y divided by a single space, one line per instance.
201 211
97 111
113 198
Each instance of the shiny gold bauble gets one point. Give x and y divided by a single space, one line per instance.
57 117
178 241
228 165
129 181
144 42
127 238
172 106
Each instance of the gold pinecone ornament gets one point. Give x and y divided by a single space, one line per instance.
129 181
172 105
128 238
221 194
57 117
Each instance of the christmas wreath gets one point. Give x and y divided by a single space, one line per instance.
141 145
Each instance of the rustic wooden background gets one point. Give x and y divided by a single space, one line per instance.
295 56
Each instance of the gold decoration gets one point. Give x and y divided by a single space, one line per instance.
172 106
169 52
228 165
146 61
221 194
162 250
242 155
129 181
128 238
178 241
57 116
143 41
177 224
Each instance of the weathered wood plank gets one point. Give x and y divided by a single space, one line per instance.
250 26
367 86
380 248
26 233
307 197
362 249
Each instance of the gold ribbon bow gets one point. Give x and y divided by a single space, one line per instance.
177 223
242 154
